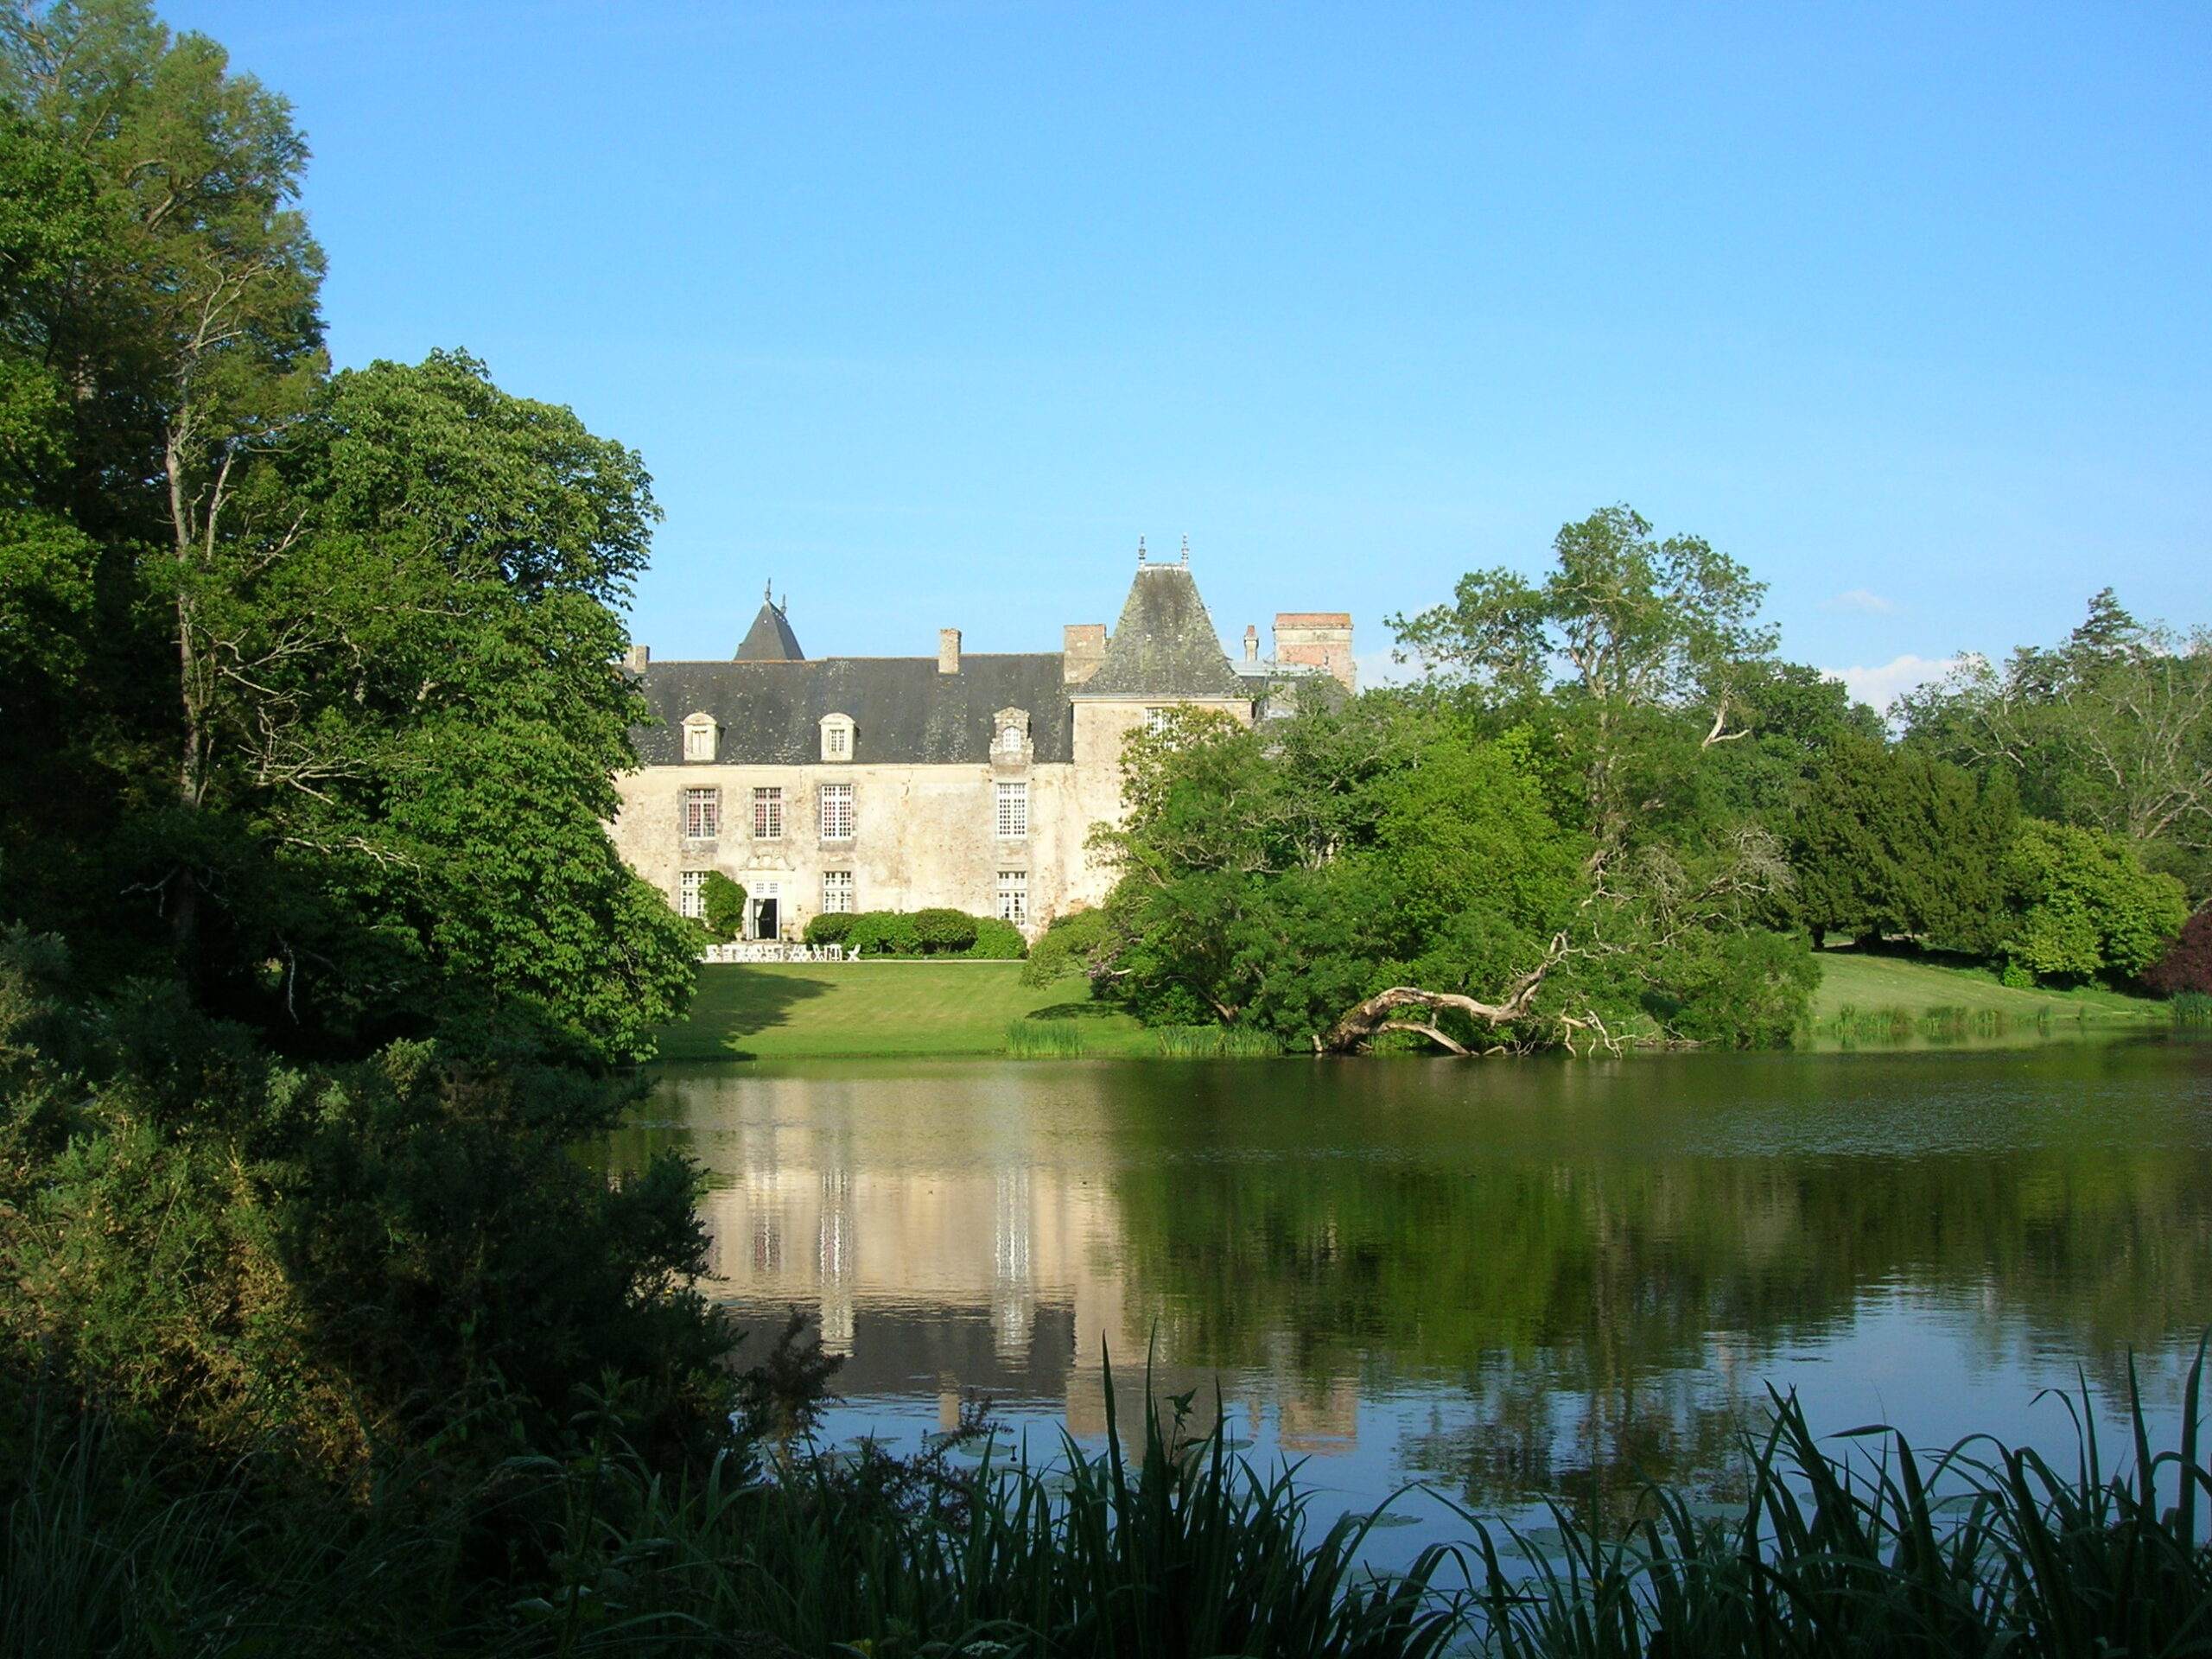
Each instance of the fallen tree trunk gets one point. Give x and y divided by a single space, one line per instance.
1378 1013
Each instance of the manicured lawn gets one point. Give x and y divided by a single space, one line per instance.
806 1010
1870 985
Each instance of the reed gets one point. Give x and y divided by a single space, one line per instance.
1057 1039
1215 1043
2191 1008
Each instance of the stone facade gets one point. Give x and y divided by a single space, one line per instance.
971 781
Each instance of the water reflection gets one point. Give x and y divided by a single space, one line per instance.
1515 1280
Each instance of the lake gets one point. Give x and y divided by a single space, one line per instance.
1507 1280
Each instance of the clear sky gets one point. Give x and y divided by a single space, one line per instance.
926 310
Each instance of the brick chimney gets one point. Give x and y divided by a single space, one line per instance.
948 650
1316 639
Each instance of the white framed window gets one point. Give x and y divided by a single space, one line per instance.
1010 739
1155 720
1014 811
836 811
837 893
841 740
700 732
690 892
836 737
702 814
768 815
1014 897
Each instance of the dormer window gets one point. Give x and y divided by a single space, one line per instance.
836 737
1010 735
701 734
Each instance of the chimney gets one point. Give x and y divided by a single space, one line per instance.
1317 641
948 650
1251 642
635 658
1082 647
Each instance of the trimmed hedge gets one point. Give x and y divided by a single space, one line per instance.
934 932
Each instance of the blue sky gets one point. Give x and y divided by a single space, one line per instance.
927 310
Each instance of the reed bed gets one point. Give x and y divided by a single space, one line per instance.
1215 1043
1164 1543
2191 1008
1048 1039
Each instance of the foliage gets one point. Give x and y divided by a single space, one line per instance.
1895 842
830 927
884 933
2110 730
2187 964
941 930
1067 948
722 905
996 941
2083 905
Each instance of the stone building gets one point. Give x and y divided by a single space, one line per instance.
968 780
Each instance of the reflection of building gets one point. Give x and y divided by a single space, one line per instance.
954 1244
897 783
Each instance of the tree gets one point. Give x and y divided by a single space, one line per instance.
2110 730
2083 905
1897 841
2187 964
1644 627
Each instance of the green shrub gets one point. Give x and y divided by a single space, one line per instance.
997 941
1066 949
884 933
721 903
831 927
941 930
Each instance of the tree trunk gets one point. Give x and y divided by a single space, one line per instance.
1378 1013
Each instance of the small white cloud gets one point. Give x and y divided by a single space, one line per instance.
1884 685
1862 603
1376 668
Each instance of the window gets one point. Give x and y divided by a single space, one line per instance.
840 740
837 893
836 811
690 890
699 734
1010 740
1155 720
836 737
767 815
1013 896
1014 811
702 814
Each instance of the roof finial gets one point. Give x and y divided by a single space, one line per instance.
1186 549
767 591
1139 549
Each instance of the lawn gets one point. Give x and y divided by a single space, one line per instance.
1868 988
809 1011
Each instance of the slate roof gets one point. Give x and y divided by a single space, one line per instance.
770 640
904 712
1164 645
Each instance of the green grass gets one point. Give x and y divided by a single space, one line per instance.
815 1011
1875 998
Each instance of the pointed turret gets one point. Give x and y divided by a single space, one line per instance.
1165 645
770 640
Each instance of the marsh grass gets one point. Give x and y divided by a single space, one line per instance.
1214 1042
2191 1008
1034 1039
1164 1543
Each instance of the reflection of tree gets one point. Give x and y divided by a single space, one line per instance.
1582 1300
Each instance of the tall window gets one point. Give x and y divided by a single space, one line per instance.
840 741
1013 896
837 893
690 887
1014 811
699 737
836 811
768 814
702 814
1155 720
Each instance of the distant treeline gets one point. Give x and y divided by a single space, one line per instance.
1607 812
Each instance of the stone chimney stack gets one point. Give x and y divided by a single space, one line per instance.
1317 641
948 650
1251 642
1082 647
635 658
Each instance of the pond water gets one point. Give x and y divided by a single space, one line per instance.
1508 1281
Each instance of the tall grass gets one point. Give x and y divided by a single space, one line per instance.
1057 1039
1214 1042
2191 1008
1166 1544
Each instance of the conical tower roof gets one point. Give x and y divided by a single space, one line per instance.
770 640
1164 645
